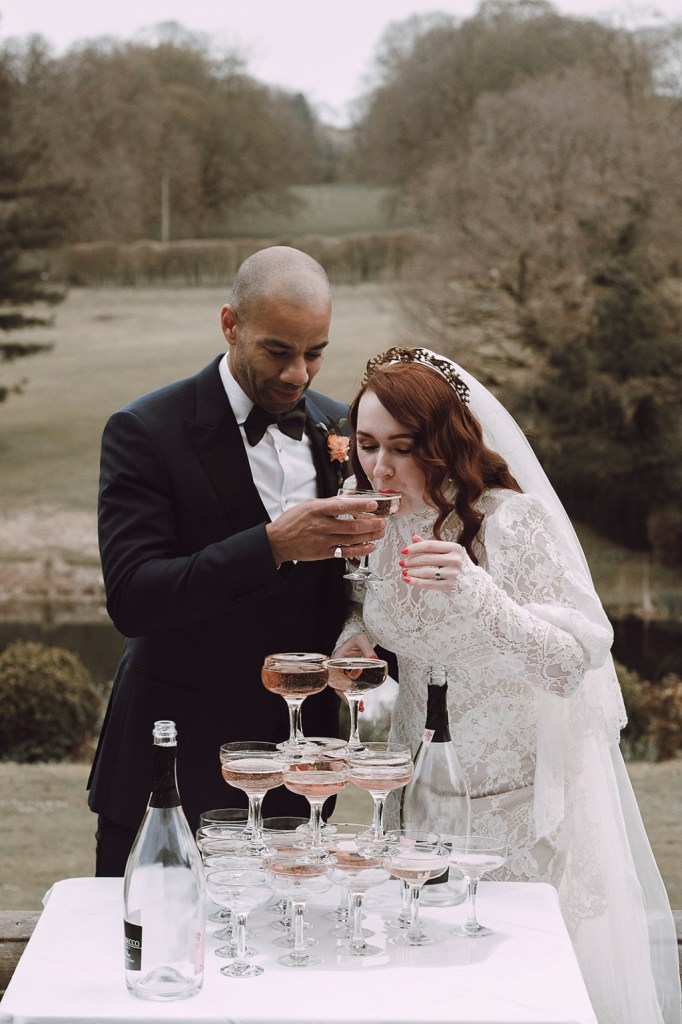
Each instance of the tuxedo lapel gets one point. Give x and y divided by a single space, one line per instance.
330 475
218 443
328 480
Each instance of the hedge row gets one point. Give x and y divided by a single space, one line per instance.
351 259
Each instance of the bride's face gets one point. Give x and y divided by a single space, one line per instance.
385 449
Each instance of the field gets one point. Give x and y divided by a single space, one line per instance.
331 210
109 346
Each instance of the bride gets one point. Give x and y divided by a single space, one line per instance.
482 571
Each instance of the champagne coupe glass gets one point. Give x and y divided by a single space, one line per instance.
254 767
356 872
298 880
344 836
283 823
380 768
280 834
402 919
294 676
354 677
284 834
215 862
317 779
220 840
474 856
388 503
229 816
414 860
326 744
323 746
229 834
240 889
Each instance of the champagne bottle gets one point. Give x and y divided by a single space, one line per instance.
164 890
437 797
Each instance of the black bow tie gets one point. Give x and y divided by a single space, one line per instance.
290 423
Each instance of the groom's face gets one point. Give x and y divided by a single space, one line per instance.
275 353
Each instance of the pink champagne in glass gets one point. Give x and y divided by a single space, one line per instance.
355 677
294 676
316 780
254 767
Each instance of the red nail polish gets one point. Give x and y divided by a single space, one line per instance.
404 551
407 579
401 562
361 706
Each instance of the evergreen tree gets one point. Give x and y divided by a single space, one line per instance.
606 402
31 219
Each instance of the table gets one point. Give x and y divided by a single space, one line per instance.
525 973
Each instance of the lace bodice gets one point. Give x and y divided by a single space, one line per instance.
521 625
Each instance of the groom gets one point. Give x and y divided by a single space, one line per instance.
218 528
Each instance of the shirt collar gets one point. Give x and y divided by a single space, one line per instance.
237 397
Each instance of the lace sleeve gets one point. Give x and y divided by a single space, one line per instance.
354 624
532 603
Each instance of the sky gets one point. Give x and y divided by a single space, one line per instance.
322 48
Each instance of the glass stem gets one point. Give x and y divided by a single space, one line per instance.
299 944
295 731
413 927
255 822
353 704
343 908
357 940
227 932
240 934
315 825
377 825
471 924
405 902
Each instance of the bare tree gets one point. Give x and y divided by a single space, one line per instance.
128 121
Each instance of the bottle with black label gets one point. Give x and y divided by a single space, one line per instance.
437 797
164 890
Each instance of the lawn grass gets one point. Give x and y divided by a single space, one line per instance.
112 344
327 209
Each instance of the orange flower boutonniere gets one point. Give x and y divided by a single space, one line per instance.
337 443
338 447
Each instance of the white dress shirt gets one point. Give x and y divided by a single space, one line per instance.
282 467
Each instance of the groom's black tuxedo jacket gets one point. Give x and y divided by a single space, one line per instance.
191 583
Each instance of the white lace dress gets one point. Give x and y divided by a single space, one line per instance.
519 635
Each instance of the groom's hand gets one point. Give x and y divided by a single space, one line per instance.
312 530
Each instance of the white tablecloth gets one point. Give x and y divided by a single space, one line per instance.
525 973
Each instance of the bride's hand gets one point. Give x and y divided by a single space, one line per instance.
356 646
431 564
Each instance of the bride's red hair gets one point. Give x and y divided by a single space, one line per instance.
449 446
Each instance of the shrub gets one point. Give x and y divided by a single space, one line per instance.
49 706
654 728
